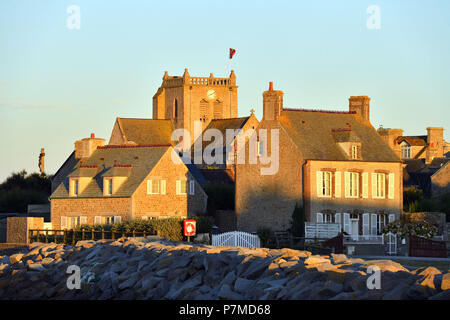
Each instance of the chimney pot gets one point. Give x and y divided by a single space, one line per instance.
270 86
92 135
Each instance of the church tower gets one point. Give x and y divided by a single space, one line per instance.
187 99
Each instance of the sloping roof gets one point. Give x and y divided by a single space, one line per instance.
134 162
223 124
146 131
413 140
314 133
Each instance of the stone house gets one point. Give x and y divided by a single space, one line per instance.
333 163
427 147
101 184
440 180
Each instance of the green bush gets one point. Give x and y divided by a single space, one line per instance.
171 228
204 223
298 221
266 235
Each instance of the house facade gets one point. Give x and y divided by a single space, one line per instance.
332 163
101 184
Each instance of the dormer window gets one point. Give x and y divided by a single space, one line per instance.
107 186
74 187
354 152
406 151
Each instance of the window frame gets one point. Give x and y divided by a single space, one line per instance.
353 186
150 186
325 177
380 185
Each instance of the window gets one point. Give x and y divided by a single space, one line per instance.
354 152
327 218
107 186
191 187
260 148
73 222
351 184
381 222
153 187
107 219
324 183
175 109
406 151
379 185
75 187
181 187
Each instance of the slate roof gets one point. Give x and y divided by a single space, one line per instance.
317 133
223 124
134 162
147 131
413 140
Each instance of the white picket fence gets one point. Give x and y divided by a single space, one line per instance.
236 239
321 230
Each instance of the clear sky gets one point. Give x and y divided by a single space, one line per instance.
58 85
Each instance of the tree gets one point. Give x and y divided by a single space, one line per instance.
19 190
298 221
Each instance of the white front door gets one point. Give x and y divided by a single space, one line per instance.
354 228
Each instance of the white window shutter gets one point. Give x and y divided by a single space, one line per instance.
373 224
83 220
63 222
347 184
97 220
337 218
144 218
391 218
365 186
391 186
319 217
337 184
366 224
178 186
319 177
191 187
149 186
347 223
163 187
117 219
374 185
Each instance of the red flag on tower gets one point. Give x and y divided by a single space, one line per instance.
232 52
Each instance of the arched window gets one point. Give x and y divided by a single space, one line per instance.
175 108
218 109
203 109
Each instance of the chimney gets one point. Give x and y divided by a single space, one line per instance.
435 141
361 105
85 147
389 136
272 103
42 160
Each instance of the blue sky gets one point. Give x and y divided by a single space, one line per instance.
58 85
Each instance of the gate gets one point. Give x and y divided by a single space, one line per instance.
422 247
236 238
391 243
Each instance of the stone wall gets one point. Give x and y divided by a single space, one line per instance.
17 228
89 207
267 201
225 220
440 181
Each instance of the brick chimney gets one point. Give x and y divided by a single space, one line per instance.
361 105
85 147
272 103
435 142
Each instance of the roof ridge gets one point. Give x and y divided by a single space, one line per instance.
135 146
320 110
230 118
144 119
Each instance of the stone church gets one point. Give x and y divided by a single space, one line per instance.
187 99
